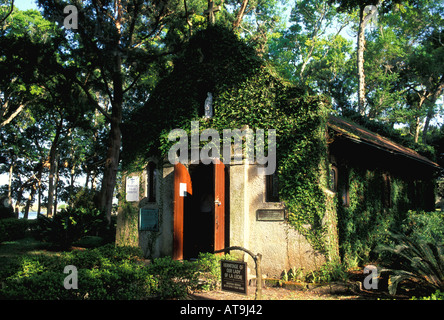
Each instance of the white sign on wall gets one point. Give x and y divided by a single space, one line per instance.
132 188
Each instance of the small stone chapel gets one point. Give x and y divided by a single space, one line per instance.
184 208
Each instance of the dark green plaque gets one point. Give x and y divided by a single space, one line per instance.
149 219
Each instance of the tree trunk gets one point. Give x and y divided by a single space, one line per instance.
29 201
417 128
39 196
115 137
11 170
56 183
52 168
430 115
360 61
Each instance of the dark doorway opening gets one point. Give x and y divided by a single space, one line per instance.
198 225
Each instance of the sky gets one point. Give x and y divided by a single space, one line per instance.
25 4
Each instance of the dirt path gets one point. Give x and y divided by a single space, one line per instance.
276 293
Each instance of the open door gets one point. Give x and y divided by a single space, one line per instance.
219 205
182 187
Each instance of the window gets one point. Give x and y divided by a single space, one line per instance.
386 191
344 187
271 188
345 196
151 181
334 179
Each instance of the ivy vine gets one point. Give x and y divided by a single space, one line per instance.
246 91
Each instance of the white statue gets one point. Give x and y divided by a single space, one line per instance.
208 106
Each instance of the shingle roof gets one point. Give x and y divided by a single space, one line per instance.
359 134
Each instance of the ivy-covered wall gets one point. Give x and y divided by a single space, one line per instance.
375 206
246 91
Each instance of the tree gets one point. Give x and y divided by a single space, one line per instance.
115 44
367 10
23 44
312 50
404 59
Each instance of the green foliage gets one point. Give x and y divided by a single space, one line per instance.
246 91
437 295
71 224
424 226
174 277
416 261
365 222
208 266
13 229
83 198
105 273
328 272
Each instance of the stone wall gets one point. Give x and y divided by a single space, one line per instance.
281 246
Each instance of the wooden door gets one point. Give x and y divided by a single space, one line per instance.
182 187
219 205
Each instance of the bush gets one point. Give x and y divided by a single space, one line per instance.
72 224
424 226
105 273
13 229
6 212
174 277
437 295
208 268
83 198
411 260
328 272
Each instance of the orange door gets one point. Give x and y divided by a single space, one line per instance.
219 205
182 187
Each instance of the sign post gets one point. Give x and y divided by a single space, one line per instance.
257 260
234 276
132 188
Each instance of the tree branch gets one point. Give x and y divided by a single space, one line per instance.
13 115
240 14
9 13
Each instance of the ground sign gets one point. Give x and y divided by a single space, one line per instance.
234 276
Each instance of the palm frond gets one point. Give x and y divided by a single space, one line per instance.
416 261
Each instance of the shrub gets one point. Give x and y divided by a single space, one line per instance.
329 272
416 261
13 229
174 277
6 212
106 273
424 226
437 295
70 225
208 268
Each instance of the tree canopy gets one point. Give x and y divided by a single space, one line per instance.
68 94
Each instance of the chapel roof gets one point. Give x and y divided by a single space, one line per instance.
360 134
